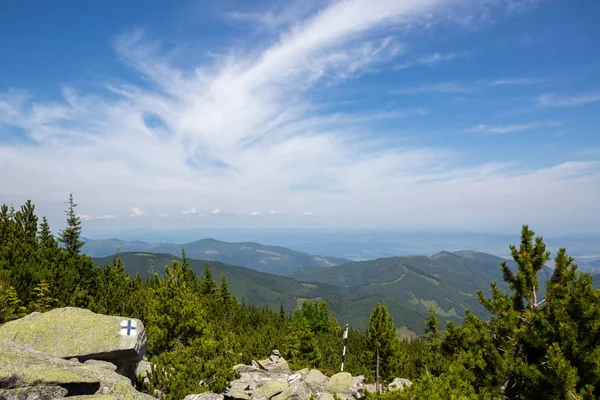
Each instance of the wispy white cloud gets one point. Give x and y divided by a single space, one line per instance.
516 81
136 212
483 128
442 87
253 213
466 87
163 215
191 211
84 217
107 216
556 100
216 211
429 60
308 213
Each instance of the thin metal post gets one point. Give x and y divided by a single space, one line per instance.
345 344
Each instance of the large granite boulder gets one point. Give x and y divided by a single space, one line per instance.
340 383
79 333
316 380
25 370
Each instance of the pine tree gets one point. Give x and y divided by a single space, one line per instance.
207 285
432 325
46 238
42 300
383 342
224 292
70 236
10 305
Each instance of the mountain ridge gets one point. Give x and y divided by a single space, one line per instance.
264 258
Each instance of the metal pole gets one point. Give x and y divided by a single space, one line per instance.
345 343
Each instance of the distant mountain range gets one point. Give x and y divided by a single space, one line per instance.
271 259
409 285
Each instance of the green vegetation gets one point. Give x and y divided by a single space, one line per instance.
535 344
263 289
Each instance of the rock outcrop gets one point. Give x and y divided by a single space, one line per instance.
78 333
70 352
25 372
256 382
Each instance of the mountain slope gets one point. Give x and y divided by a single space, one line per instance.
271 259
272 290
446 281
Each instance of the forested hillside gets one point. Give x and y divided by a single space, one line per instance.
264 289
533 346
272 259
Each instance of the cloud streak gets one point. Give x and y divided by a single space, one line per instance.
556 100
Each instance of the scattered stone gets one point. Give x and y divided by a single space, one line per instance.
294 378
399 384
268 390
237 395
297 391
316 380
340 383
205 396
304 372
371 388
74 332
326 396
247 368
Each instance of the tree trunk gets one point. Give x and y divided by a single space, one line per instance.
377 370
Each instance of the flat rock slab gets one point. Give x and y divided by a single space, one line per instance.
23 368
75 332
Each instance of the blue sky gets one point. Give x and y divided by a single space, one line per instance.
406 114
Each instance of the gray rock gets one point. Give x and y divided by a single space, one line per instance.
237 395
371 388
269 390
102 364
340 383
142 370
205 396
399 384
254 380
275 363
294 378
304 372
34 393
24 367
297 391
325 396
74 332
247 368
316 380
